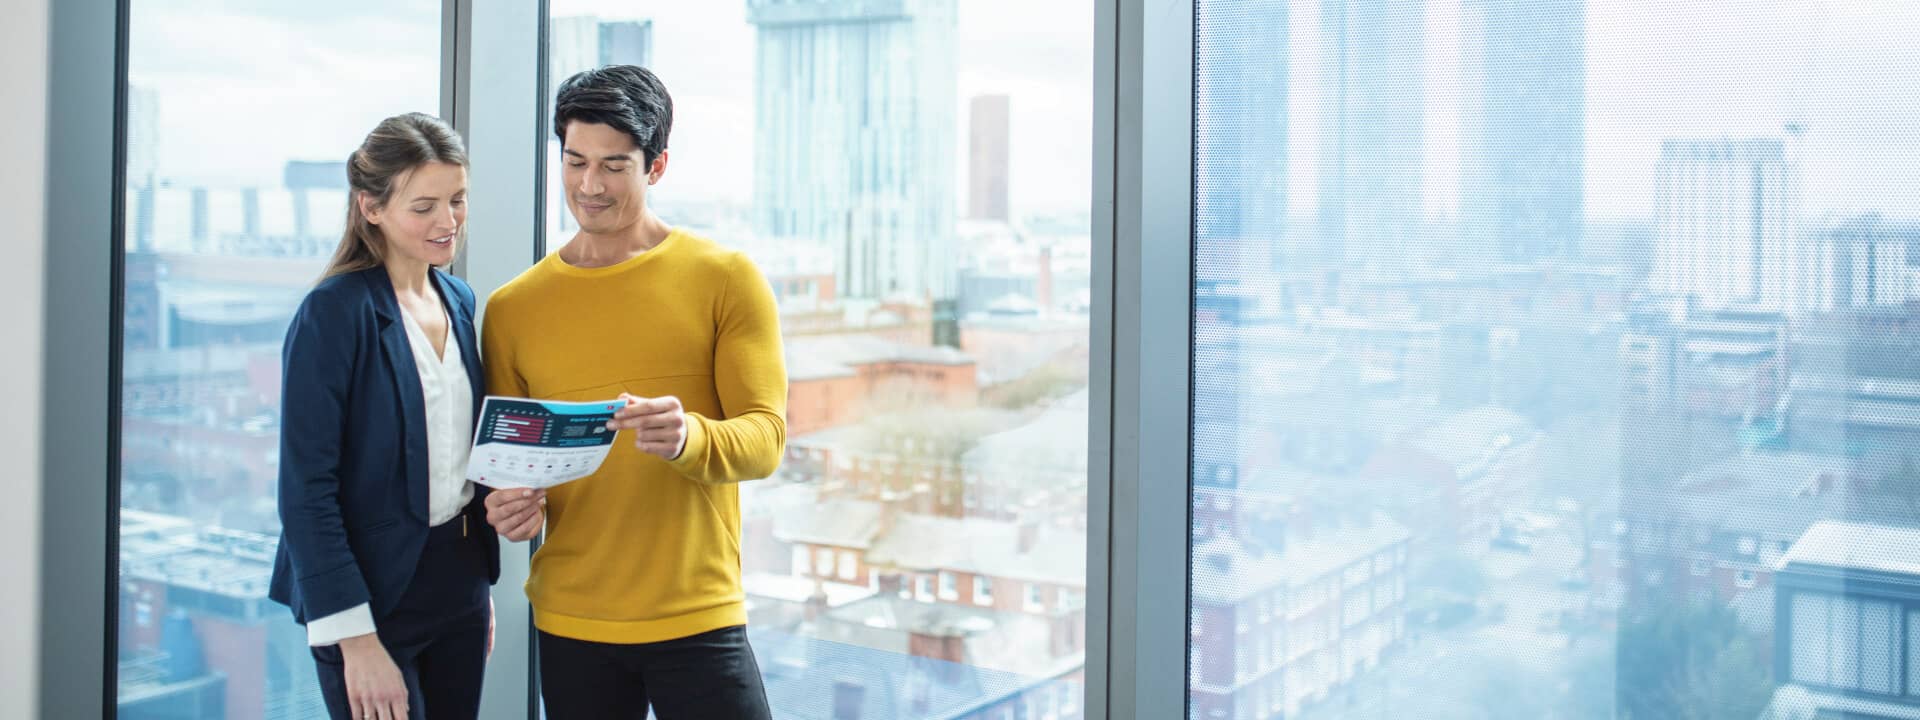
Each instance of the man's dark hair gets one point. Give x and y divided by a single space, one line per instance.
628 98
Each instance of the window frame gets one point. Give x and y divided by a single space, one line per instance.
949 586
1792 661
1140 493
87 103
848 569
1140 331
86 132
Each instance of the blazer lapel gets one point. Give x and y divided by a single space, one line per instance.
463 329
406 385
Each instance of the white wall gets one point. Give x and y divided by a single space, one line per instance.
23 156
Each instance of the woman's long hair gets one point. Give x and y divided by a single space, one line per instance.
397 146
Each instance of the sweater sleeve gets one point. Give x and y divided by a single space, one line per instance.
750 373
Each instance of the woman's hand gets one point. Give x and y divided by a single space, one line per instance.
375 688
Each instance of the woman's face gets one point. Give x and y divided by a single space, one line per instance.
422 220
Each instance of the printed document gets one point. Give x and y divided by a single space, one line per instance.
523 443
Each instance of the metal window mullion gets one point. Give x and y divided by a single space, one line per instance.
1147 509
492 96
86 84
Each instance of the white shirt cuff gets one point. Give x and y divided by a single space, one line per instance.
351 622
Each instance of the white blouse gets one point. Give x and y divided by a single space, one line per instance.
449 403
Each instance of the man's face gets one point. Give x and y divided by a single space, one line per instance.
606 177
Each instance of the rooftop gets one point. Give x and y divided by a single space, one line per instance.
838 523
855 350
1856 546
1770 494
985 547
177 552
793 589
1469 440
1009 642
804 674
1795 702
1226 570
1056 440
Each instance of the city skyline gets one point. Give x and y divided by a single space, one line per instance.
1629 111
1445 456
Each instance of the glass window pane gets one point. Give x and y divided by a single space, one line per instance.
1845 642
1603 316
1811 639
1913 653
1879 648
849 566
823 563
239 117
913 180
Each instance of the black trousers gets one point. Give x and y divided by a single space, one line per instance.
437 635
710 676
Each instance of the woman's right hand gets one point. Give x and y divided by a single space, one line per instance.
375 688
517 514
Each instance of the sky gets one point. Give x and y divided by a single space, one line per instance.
1850 71
241 90
1040 54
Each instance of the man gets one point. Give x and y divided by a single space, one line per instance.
636 590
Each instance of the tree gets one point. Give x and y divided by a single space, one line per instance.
1693 662
1899 489
1590 683
1508 689
1050 381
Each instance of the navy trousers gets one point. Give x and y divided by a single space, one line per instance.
438 633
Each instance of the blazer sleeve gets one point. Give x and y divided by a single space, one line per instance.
318 364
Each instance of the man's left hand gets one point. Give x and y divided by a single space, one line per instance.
659 424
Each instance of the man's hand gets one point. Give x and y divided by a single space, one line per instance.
517 514
659 425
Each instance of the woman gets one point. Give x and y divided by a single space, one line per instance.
385 556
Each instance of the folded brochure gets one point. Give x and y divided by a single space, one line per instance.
524 443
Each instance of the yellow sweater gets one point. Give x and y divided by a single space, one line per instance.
647 550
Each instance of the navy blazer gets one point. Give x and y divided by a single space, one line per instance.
353 447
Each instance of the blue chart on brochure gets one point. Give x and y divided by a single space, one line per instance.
522 443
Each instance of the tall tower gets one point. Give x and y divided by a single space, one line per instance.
1726 226
988 155
854 115
1524 172
574 45
1371 126
143 153
1240 128
627 42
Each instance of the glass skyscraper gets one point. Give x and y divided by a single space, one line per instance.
854 138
